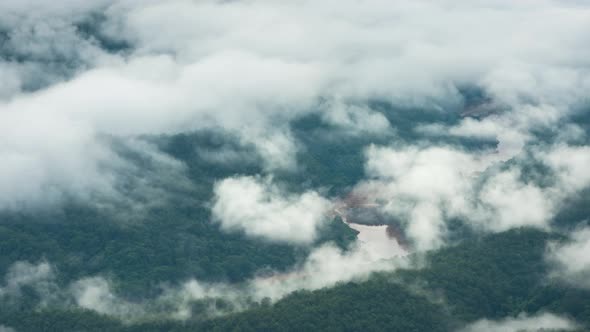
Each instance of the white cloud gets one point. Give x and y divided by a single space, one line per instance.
248 65
510 128
276 148
24 273
571 165
41 44
260 208
355 119
514 203
95 294
328 265
541 322
570 260
43 157
424 186
40 277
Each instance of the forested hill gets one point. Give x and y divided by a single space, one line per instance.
493 277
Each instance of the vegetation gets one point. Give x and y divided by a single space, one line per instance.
491 277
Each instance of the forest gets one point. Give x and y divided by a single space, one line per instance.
492 276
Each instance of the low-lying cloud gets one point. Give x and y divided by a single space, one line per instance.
226 64
540 322
425 186
22 274
570 260
259 208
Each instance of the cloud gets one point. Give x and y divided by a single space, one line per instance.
423 185
45 46
56 130
260 208
328 265
380 45
26 274
225 64
95 294
426 186
355 119
40 277
38 170
540 322
570 260
570 164
515 203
